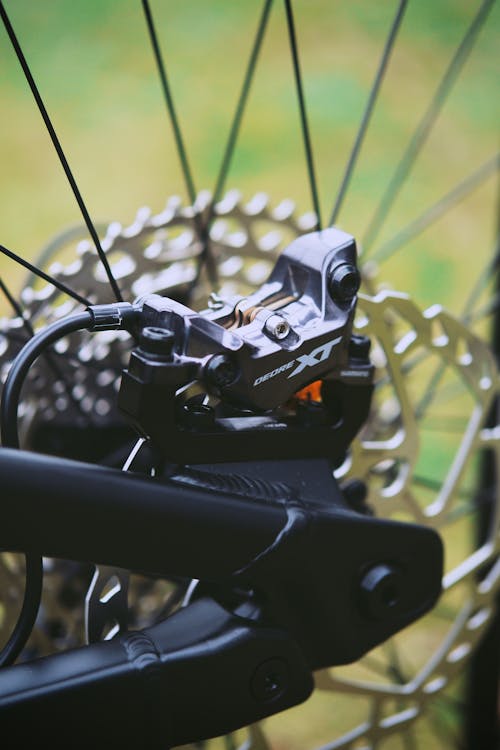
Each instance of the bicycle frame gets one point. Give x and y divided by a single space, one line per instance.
302 581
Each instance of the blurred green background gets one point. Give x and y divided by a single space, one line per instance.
94 66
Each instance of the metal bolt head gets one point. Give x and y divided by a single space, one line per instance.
221 371
270 680
381 591
277 327
344 282
157 341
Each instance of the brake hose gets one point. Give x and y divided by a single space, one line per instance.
95 318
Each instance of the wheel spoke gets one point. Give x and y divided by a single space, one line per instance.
240 107
48 355
370 105
16 307
45 276
439 209
487 310
436 486
425 125
485 276
174 121
306 137
394 667
468 318
57 145
206 254
202 231
476 502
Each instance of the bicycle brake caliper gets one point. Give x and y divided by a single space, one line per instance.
249 361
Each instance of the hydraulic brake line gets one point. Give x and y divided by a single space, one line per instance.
97 317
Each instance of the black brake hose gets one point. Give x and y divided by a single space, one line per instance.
21 366
10 438
98 317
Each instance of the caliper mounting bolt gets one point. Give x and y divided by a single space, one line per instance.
344 282
156 341
221 371
277 327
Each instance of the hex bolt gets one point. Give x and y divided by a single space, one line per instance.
359 347
157 341
270 680
344 281
277 327
381 591
221 371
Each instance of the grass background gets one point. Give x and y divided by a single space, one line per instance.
94 67
93 64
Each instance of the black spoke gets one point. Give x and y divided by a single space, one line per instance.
306 138
436 211
430 392
202 231
240 107
206 255
179 141
365 120
436 485
394 668
45 276
48 356
59 150
16 307
467 318
14 337
425 125
474 504
488 310
485 276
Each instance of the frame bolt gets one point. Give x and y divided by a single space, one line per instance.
277 327
156 341
221 371
381 591
344 282
270 680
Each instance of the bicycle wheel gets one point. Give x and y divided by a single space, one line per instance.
417 219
